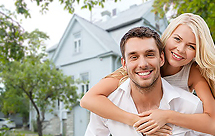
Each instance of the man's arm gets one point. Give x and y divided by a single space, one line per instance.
97 126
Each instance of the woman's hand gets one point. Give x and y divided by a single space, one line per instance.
151 121
163 131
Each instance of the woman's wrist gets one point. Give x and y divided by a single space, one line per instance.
168 115
131 118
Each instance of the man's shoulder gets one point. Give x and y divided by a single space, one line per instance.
187 102
188 96
121 91
180 98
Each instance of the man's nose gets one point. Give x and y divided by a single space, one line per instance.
143 62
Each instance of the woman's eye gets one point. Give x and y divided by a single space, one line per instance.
192 47
176 38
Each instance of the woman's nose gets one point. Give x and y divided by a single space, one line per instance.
181 48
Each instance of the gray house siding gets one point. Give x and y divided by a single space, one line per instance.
89 48
96 67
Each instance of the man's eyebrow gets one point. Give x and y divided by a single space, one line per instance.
150 50
131 53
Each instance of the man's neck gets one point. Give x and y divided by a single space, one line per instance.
147 99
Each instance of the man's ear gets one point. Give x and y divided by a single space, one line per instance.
162 59
123 63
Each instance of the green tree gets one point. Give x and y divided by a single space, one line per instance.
204 8
12 102
26 77
15 41
22 6
41 83
12 37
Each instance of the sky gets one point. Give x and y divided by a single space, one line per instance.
55 21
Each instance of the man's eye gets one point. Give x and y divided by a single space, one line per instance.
151 54
133 57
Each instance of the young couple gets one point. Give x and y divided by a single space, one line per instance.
145 100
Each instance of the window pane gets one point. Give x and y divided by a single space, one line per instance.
82 88
87 87
84 77
77 42
75 46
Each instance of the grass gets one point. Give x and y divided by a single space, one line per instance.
22 133
25 132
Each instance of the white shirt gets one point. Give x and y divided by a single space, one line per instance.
173 98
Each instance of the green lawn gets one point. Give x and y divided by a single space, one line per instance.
21 133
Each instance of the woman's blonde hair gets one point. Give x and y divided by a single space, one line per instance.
205 50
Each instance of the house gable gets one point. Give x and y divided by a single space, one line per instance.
94 42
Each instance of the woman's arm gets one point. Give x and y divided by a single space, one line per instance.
96 101
199 122
200 85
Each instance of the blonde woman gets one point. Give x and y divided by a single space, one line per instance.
190 64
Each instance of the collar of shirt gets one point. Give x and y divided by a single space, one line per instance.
169 93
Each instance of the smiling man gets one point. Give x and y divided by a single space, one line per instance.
142 57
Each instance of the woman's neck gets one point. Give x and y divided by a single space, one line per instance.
168 70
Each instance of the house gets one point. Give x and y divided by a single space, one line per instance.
89 51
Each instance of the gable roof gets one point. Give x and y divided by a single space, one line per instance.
134 14
102 36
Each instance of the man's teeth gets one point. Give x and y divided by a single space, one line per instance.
176 56
144 74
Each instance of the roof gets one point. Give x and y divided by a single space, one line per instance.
52 48
102 36
133 14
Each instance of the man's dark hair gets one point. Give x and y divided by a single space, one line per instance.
141 32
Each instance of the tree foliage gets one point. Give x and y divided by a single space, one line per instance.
28 78
22 6
12 37
41 83
25 76
204 8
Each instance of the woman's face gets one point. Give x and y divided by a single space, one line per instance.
180 47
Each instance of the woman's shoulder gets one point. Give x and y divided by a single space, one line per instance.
195 74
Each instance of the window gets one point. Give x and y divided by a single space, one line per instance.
85 84
73 77
77 43
157 26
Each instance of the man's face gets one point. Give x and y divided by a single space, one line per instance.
142 61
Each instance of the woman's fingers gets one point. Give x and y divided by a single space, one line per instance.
148 128
141 121
166 127
164 131
146 113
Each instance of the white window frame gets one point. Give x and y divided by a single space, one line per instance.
77 45
77 42
84 86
